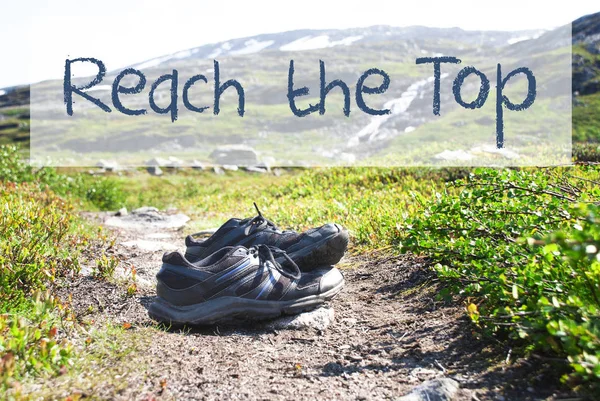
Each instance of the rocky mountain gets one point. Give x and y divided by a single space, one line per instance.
586 78
587 30
394 47
301 40
586 54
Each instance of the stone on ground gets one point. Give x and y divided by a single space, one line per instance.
440 389
148 217
157 162
198 165
154 170
150 246
107 165
318 319
235 154
259 170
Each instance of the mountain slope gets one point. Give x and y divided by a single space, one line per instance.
586 78
399 43
300 40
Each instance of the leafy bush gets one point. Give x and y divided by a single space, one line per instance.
521 248
103 193
586 152
105 267
40 239
31 343
36 242
586 118
574 318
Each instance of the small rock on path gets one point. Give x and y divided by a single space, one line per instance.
318 319
441 389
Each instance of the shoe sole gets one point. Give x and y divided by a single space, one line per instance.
226 308
326 252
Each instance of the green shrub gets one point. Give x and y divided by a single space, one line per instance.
520 246
586 118
586 152
36 242
32 343
41 239
103 193
105 267
572 312
12 169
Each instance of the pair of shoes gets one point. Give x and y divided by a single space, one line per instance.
249 268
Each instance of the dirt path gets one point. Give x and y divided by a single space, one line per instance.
389 335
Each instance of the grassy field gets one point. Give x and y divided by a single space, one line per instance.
370 202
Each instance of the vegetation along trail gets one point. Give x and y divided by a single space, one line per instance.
470 284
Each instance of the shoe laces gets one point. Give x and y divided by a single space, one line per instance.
259 223
267 253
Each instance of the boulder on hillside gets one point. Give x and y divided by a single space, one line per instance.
154 170
240 155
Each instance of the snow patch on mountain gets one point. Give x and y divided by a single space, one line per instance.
318 42
396 106
253 46
346 41
220 50
99 88
307 43
153 62
518 39
185 53
512 41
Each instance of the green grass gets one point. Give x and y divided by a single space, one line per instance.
109 353
14 126
14 131
369 202
586 118
586 108
31 344
88 192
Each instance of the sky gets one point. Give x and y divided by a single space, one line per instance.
38 35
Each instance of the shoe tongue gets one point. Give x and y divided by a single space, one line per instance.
221 255
238 251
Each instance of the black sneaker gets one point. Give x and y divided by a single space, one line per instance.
238 282
322 246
